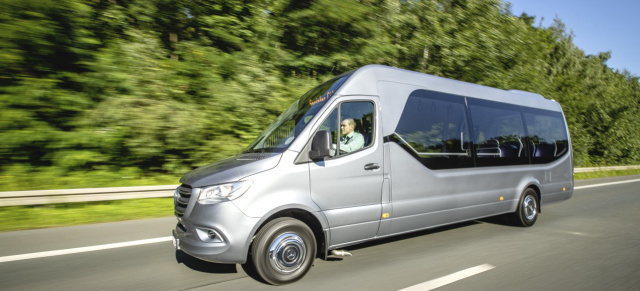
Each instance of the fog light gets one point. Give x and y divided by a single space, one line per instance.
209 235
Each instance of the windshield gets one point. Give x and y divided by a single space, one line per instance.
284 130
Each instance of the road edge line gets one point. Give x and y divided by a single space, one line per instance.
605 184
83 249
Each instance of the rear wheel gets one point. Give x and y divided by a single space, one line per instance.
283 251
528 209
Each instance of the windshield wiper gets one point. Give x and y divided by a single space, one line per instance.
258 151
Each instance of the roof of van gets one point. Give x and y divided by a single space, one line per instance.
370 79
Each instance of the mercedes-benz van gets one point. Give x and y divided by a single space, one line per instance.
372 153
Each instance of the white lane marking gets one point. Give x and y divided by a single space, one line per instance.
457 276
605 184
84 249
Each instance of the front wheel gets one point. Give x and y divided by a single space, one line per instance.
283 251
528 209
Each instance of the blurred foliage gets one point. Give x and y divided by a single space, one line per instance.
127 92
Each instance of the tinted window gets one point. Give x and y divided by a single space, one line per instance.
499 133
434 129
547 135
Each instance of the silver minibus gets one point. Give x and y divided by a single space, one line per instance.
373 153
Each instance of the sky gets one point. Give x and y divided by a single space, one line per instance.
597 26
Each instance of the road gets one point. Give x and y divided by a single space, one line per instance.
590 242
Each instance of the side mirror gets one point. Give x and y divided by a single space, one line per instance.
320 145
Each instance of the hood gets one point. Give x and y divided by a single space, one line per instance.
231 169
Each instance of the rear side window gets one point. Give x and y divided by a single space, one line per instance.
499 133
434 129
445 131
547 135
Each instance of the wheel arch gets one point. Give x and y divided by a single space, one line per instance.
525 184
536 188
312 220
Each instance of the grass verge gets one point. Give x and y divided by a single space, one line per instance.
605 174
67 214
55 215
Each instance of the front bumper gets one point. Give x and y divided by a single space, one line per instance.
218 233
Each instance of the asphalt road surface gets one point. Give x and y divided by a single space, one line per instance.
590 242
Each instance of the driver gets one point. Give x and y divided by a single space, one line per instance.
350 140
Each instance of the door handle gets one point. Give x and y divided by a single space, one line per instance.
371 167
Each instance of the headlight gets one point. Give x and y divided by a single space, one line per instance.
223 192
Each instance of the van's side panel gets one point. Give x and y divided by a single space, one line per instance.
558 181
425 198
348 194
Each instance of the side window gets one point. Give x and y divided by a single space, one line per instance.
547 135
499 133
433 128
352 126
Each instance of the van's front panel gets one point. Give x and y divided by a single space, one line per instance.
213 232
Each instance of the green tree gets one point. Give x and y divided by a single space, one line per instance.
127 88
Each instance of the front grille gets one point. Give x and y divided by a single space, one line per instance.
181 199
184 191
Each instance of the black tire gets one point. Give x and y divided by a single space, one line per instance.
294 250
528 209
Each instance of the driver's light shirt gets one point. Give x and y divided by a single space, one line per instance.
351 142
